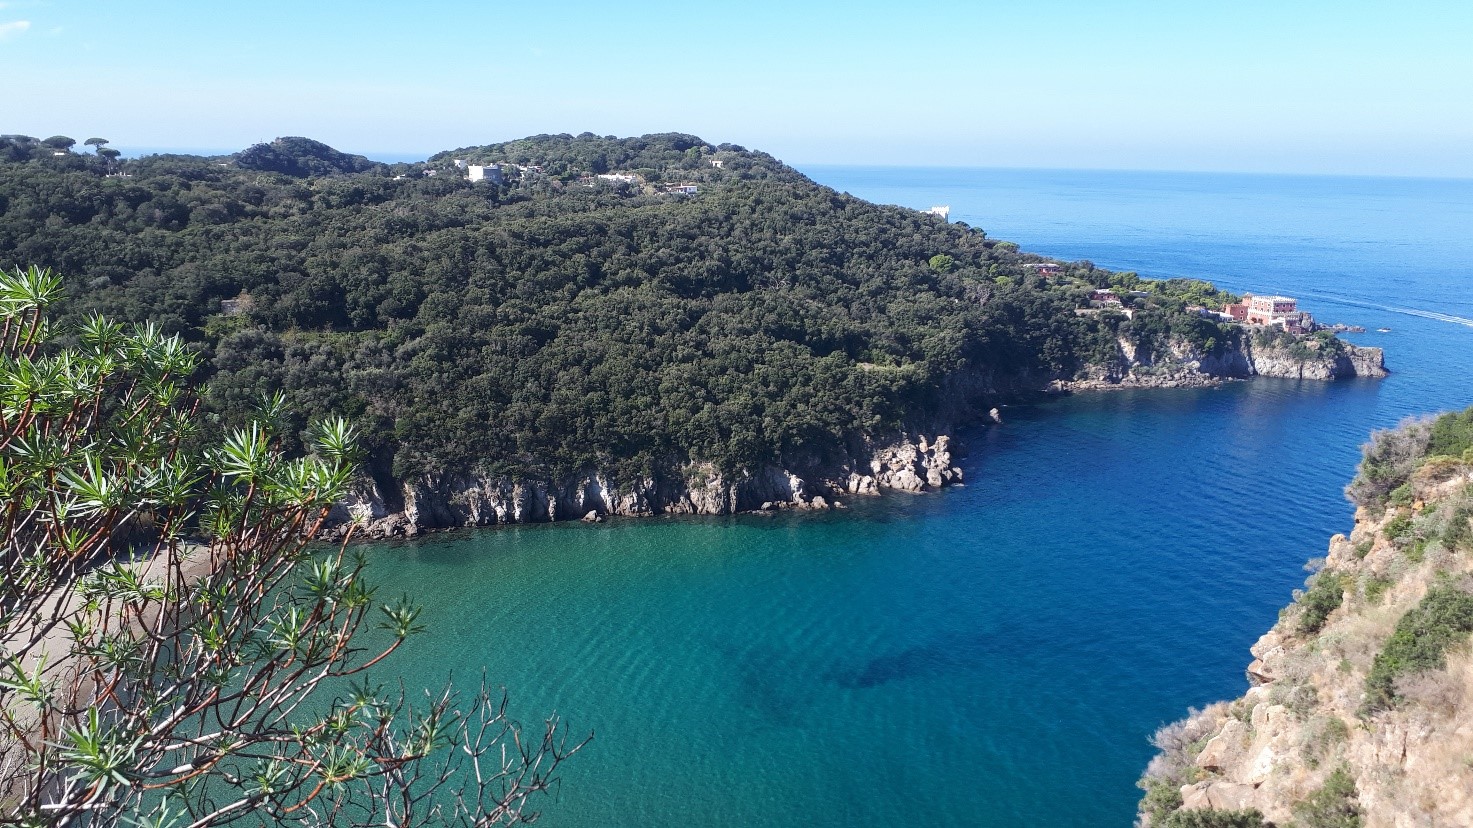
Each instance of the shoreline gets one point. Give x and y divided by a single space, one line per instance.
435 503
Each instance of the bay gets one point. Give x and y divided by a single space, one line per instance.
996 654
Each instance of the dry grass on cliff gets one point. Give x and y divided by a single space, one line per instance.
1179 743
1447 693
1440 692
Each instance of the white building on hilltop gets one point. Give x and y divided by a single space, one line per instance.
944 211
487 172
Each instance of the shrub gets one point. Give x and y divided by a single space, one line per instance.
1438 468
1442 619
1398 526
1440 691
1458 532
168 637
1213 818
1175 765
1451 434
1321 735
1391 457
1334 805
1161 799
1401 495
1388 461
1294 692
1375 589
1325 594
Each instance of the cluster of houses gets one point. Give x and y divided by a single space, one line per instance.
1103 299
1267 311
495 173
620 178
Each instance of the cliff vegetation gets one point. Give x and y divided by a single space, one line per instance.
1361 709
546 323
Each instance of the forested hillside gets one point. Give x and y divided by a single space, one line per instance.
556 321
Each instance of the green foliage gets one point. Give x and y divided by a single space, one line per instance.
1325 594
1458 532
1442 444
1388 461
1161 799
165 626
1375 589
546 327
942 263
1322 734
1318 346
1451 434
1334 805
1400 496
301 157
1213 818
1398 527
1443 619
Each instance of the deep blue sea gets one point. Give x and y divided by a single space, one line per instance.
997 654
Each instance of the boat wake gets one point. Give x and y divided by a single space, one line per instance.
1425 314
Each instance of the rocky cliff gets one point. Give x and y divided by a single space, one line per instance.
1360 710
408 507
385 507
1181 364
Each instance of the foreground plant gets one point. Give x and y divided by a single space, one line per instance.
172 650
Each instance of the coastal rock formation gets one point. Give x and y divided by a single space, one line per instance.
914 467
1361 697
1182 365
408 507
1287 362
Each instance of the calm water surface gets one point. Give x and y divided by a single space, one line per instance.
996 654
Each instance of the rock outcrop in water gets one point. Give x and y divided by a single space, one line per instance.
1183 365
1361 704
406 508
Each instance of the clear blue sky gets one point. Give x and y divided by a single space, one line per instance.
1282 86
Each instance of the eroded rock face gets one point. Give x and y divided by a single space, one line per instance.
1304 715
1355 361
1181 365
447 501
1223 796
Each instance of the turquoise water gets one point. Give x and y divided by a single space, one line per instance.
996 654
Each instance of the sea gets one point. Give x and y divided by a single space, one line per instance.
997 654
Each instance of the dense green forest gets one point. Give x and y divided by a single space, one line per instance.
555 321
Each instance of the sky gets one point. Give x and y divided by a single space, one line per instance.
1289 86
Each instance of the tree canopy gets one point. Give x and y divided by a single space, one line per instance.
554 322
169 643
